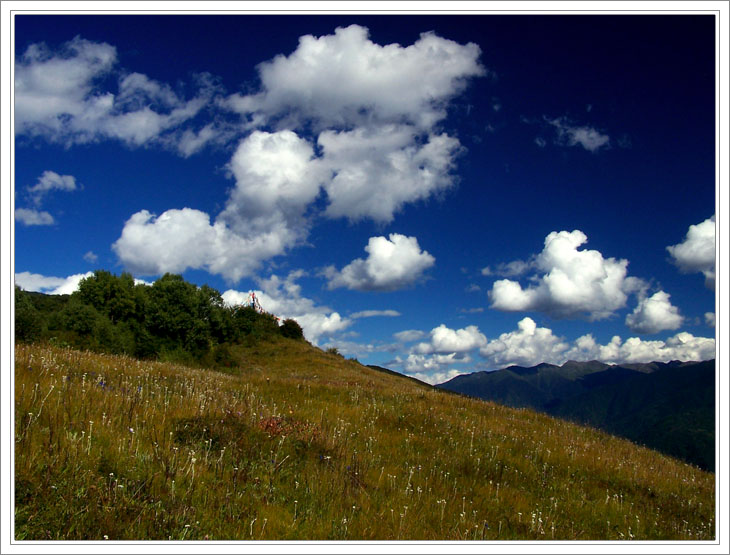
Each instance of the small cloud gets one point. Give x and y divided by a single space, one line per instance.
477 310
539 141
654 314
373 313
51 181
393 263
91 258
697 252
473 288
407 336
710 319
624 141
29 216
569 134
446 340
509 269
48 181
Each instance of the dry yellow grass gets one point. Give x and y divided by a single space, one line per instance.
297 444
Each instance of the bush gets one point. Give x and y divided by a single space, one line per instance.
291 329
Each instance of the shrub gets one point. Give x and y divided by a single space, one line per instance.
291 329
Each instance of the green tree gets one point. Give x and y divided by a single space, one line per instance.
28 323
110 295
174 315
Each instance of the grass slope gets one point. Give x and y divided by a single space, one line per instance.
671 409
297 444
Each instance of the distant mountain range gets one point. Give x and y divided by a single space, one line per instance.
668 406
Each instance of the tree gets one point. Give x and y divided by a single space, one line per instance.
174 315
110 295
28 323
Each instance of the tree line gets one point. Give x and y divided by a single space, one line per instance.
172 319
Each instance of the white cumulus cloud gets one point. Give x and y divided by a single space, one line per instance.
263 217
374 109
654 314
371 112
346 80
50 181
446 340
31 216
58 97
375 171
49 285
710 319
683 346
393 262
697 252
528 345
572 283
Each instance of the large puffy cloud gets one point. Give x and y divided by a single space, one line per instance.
526 346
374 109
574 283
58 96
283 298
49 285
697 252
345 80
376 170
654 314
447 340
393 263
276 179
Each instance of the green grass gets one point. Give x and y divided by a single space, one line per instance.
298 444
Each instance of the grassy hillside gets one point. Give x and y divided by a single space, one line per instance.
665 406
671 409
295 443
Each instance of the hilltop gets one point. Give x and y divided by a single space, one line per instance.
292 443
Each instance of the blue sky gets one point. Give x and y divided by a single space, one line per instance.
434 194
